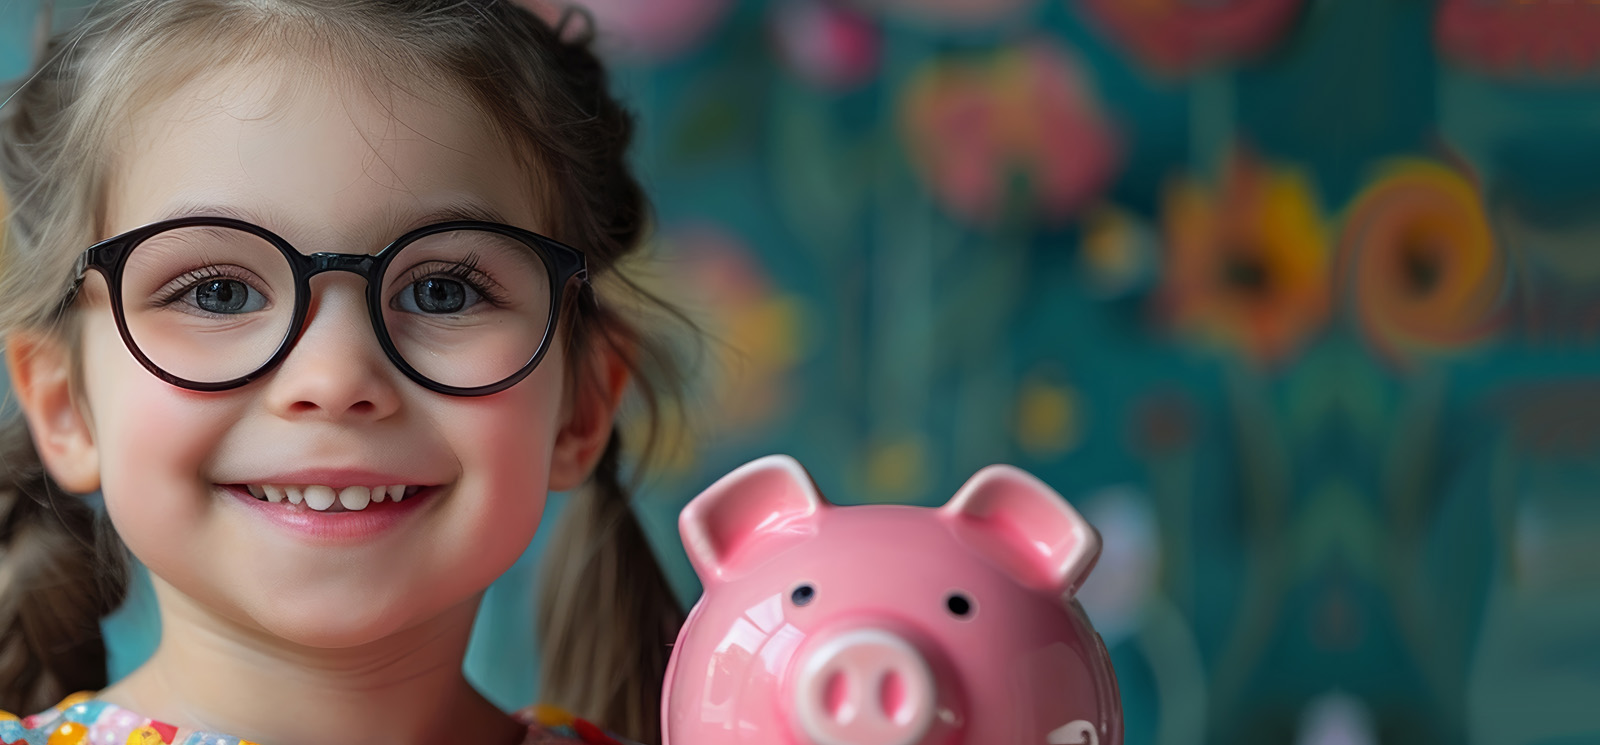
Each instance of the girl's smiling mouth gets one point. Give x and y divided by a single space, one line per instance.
333 509
329 499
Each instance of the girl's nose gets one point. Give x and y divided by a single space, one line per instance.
336 369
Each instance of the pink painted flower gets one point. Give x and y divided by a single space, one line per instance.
757 336
826 44
648 30
972 127
1179 36
1559 37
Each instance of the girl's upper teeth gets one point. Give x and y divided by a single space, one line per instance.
355 497
323 498
319 498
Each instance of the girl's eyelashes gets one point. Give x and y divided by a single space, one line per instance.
213 291
436 288
447 288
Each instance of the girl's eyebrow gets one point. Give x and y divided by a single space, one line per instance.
195 209
456 209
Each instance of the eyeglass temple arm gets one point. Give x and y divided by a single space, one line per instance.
582 272
80 270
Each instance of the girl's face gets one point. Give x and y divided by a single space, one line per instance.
329 168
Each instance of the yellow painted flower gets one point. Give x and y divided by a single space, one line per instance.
1248 266
1419 262
1048 417
1118 251
895 469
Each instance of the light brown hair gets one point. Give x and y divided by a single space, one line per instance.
607 616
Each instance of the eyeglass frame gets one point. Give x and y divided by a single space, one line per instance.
564 264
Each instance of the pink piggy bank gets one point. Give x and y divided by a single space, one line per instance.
888 625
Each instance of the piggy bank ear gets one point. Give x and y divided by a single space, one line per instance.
1026 527
766 501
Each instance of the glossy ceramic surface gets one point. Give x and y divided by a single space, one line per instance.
888 625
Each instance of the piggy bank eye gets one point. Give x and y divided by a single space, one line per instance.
803 595
959 604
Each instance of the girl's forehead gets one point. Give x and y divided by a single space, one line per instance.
320 156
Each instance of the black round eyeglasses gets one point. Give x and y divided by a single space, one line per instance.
464 308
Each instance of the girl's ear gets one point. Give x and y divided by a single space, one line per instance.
588 419
41 375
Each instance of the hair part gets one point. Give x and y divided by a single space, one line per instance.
607 617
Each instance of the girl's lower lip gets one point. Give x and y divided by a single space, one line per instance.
374 520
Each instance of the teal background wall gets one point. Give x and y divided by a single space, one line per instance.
1295 300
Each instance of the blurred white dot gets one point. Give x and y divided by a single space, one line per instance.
1336 718
1114 596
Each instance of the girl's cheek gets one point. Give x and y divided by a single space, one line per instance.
151 438
509 454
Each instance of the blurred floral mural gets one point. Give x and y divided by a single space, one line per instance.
1297 300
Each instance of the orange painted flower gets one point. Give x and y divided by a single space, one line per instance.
1419 261
973 126
1248 266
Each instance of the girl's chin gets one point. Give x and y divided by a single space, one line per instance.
328 629
290 607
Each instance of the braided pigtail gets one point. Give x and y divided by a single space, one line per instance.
56 583
607 617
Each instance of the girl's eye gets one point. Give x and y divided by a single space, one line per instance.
803 595
452 289
959 605
436 295
223 296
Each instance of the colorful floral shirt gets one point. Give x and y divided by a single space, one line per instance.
81 720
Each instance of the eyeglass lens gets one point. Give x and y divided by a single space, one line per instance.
210 304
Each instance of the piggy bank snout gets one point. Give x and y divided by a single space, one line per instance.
865 686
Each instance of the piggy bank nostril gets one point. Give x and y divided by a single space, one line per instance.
892 697
836 698
864 686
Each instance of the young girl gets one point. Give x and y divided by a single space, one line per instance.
324 361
